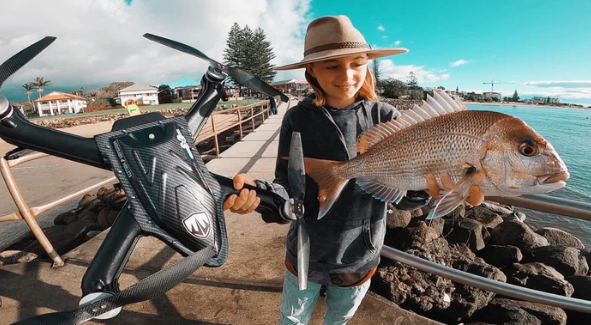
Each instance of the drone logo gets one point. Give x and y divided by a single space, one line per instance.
198 224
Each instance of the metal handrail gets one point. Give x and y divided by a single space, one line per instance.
550 204
544 203
506 289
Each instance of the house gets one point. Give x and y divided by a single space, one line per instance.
186 93
139 94
492 95
292 86
57 103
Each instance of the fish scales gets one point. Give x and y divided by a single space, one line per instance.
442 144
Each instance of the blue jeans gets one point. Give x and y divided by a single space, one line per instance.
297 306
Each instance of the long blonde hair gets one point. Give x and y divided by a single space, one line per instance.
367 90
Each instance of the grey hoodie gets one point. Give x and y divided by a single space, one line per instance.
350 236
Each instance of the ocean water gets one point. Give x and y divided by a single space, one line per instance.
569 131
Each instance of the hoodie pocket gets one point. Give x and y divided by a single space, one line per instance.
373 233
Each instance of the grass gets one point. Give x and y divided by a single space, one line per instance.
229 103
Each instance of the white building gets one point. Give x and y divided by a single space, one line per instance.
140 94
57 103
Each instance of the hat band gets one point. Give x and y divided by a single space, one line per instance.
337 46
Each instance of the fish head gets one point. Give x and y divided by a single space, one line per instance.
518 160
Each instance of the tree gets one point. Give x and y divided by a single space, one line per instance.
262 56
250 51
441 87
40 83
412 82
515 97
164 94
29 86
393 88
548 100
376 73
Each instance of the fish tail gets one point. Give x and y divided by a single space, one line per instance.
330 182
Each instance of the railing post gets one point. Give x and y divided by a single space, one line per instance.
25 212
215 136
239 122
252 116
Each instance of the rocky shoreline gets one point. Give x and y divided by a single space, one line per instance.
492 241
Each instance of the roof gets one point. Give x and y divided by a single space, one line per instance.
283 82
135 88
58 95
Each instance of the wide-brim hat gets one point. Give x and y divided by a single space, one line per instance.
332 37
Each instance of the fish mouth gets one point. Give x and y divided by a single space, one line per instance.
554 178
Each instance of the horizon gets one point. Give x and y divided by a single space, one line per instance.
451 44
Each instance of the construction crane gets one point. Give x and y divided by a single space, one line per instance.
492 84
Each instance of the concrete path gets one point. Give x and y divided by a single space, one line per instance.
245 290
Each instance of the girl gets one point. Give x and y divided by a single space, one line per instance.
345 244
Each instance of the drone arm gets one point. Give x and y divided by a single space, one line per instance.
17 130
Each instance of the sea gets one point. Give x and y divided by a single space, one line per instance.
569 131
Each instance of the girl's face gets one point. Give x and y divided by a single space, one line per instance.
340 78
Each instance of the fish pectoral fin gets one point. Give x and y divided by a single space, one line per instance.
381 192
452 198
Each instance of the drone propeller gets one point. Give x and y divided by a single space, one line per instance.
242 77
18 60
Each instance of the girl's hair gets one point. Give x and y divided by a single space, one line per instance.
367 90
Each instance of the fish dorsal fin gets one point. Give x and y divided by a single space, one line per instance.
440 104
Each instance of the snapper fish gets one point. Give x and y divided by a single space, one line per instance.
497 152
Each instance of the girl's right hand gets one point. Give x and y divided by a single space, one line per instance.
247 200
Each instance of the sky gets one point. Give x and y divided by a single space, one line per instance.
538 50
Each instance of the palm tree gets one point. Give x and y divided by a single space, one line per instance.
28 87
40 83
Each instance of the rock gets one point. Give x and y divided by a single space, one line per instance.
582 286
16 256
417 213
116 199
465 231
88 215
486 217
564 259
103 218
466 300
437 224
557 237
497 313
538 276
112 216
515 233
103 192
515 216
586 253
501 255
409 237
61 218
462 250
86 200
547 315
498 208
397 218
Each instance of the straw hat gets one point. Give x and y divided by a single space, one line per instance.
333 37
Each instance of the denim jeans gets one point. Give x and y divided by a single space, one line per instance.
297 306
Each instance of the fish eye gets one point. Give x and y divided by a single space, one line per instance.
528 149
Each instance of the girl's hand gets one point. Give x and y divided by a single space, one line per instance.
246 201
475 198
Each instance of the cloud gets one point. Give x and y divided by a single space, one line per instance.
385 37
381 28
99 42
389 70
563 84
458 63
397 43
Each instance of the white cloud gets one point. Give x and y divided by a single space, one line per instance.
458 63
381 28
99 42
385 37
397 43
389 70
563 84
